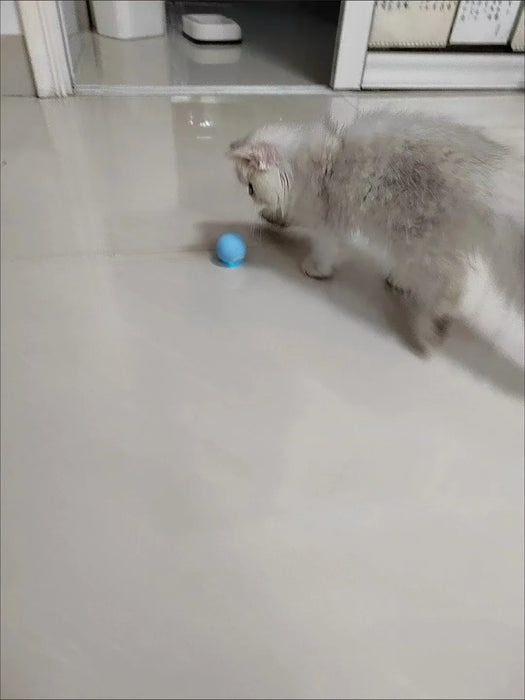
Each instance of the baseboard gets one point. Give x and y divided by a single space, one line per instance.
189 90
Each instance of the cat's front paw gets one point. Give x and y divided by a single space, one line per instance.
312 267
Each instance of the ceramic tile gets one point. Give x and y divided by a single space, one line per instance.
235 483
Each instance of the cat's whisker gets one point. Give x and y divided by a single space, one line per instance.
258 232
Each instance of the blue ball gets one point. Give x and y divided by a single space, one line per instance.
231 249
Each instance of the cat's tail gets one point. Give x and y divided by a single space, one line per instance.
495 315
494 298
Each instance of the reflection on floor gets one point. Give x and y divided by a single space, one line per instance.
235 483
282 46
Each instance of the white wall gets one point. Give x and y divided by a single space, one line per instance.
16 74
9 18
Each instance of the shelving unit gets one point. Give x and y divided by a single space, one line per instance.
359 66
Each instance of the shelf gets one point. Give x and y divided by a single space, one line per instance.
436 71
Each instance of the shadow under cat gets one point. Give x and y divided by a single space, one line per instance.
359 290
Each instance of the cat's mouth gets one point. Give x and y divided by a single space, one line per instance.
273 218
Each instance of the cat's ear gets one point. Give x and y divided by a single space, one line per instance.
259 156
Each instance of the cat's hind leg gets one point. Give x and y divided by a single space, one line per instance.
429 297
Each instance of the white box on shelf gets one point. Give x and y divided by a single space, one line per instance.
129 19
488 23
518 40
411 24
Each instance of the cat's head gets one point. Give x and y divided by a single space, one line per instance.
263 165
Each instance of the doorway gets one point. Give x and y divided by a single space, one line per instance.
287 46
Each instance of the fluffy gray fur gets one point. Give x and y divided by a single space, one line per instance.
431 194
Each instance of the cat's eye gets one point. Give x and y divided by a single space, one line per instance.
250 189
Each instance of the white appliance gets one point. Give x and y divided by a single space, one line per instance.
518 40
125 19
488 23
411 24
212 29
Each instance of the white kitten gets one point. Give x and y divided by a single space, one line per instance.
437 198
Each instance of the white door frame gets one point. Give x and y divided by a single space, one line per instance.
46 47
351 44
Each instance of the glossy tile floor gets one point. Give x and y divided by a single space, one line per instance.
265 57
235 483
